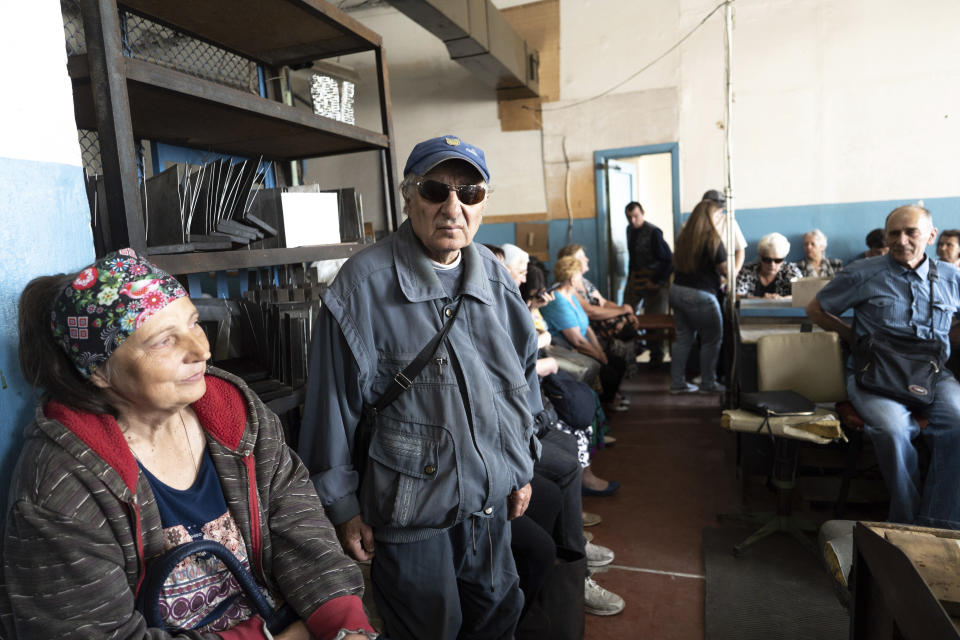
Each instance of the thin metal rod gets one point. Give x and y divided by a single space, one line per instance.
730 240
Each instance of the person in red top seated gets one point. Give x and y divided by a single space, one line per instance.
138 447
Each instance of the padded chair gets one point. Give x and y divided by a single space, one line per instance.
810 364
813 364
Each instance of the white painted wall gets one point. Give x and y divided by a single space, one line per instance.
31 38
836 100
654 192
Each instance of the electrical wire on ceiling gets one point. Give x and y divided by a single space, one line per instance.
640 70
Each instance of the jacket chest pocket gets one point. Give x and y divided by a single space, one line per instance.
884 307
411 478
942 317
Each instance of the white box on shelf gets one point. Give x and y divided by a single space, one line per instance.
310 218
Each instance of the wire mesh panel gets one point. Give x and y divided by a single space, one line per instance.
90 151
73 27
146 40
152 42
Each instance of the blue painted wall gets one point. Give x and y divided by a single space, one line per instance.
845 225
45 230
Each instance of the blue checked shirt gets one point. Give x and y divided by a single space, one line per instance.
887 296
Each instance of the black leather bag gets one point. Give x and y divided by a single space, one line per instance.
901 368
573 400
777 403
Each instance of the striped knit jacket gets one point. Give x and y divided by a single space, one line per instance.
82 522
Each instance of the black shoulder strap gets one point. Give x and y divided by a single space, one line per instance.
402 381
932 275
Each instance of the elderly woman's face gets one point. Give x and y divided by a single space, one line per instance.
812 248
770 264
584 260
160 367
518 271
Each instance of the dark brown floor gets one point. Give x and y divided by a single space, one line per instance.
670 457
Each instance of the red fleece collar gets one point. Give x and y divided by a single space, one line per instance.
222 411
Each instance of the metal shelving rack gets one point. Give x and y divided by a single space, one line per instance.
126 99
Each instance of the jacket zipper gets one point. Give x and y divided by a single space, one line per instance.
256 543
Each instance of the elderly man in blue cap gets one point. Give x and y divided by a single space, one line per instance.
428 458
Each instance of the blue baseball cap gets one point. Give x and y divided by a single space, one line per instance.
429 153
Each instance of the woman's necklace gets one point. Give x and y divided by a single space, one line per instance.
186 434
193 456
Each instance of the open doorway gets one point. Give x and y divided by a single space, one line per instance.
648 175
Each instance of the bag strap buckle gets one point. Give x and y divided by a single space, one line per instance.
402 380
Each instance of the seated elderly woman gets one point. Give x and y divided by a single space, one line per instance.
581 367
569 326
815 264
516 260
770 276
615 324
136 448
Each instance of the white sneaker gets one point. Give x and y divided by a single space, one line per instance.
599 601
598 556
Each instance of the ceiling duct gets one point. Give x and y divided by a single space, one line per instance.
479 37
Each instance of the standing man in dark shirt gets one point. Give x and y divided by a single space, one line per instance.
651 263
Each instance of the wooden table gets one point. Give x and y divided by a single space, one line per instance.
905 582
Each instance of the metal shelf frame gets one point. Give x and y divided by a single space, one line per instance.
125 99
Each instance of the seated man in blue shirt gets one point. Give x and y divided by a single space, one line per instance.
892 294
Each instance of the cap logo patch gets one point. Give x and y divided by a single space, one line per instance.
452 141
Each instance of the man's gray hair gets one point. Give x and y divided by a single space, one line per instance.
818 237
773 245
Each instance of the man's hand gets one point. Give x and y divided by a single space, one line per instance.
356 538
518 501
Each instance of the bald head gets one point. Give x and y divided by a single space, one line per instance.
923 211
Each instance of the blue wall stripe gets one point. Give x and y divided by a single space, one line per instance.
845 225
45 230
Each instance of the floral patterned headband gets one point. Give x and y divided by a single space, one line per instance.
106 303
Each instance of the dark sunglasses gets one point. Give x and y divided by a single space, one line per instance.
436 191
767 260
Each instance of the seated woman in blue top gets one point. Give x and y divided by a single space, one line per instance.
569 325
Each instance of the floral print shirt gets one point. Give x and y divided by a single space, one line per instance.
748 280
828 268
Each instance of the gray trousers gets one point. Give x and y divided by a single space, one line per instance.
460 584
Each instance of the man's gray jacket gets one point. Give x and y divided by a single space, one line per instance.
461 438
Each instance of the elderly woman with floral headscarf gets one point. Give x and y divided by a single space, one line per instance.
137 448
